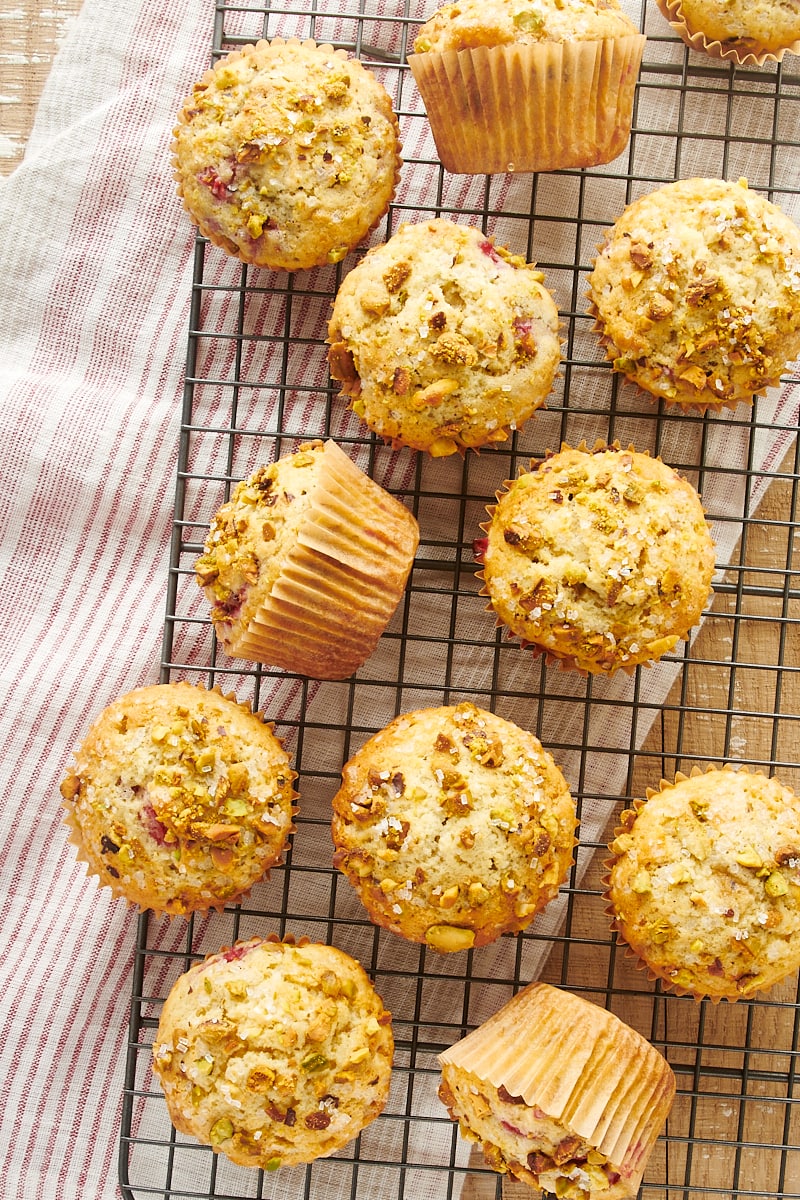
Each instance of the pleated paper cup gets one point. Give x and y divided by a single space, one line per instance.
535 107
341 580
580 1066
742 53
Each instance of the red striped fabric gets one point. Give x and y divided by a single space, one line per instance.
91 378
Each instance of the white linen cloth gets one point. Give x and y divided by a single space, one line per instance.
95 264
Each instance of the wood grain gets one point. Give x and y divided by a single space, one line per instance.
30 34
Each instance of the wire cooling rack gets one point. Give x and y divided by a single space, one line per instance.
256 385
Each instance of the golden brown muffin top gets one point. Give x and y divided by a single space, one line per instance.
705 882
748 26
454 825
274 1053
601 558
287 153
697 292
180 798
443 339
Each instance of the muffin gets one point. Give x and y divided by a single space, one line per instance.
180 799
274 1053
454 826
286 154
745 32
696 293
306 563
704 883
600 559
444 340
528 85
560 1094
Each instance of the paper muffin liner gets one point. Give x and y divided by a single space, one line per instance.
205 225
580 1065
342 580
75 832
536 107
740 56
627 819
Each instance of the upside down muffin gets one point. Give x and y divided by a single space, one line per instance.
444 340
273 1053
696 293
601 559
180 799
305 564
560 1094
704 883
286 154
454 826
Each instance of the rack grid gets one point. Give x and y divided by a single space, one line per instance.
256 386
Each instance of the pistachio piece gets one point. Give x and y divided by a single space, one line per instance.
447 938
776 885
221 1130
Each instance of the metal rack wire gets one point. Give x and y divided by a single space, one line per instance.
256 384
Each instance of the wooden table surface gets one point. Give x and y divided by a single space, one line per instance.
30 33
29 39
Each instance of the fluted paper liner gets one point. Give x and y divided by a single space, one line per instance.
740 55
342 580
580 1065
535 107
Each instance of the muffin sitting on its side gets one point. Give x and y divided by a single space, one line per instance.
528 85
180 799
560 1094
602 559
306 563
274 1054
287 154
454 826
444 340
704 885
696 293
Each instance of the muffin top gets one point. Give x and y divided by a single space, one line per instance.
696 292
704 884
747 26
442 339
454 826
601 558
180 798
471 23
287 154
273 1053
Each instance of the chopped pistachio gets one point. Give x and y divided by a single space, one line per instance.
221 1130
776 885
314 1062
749 858
641 883
448 938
